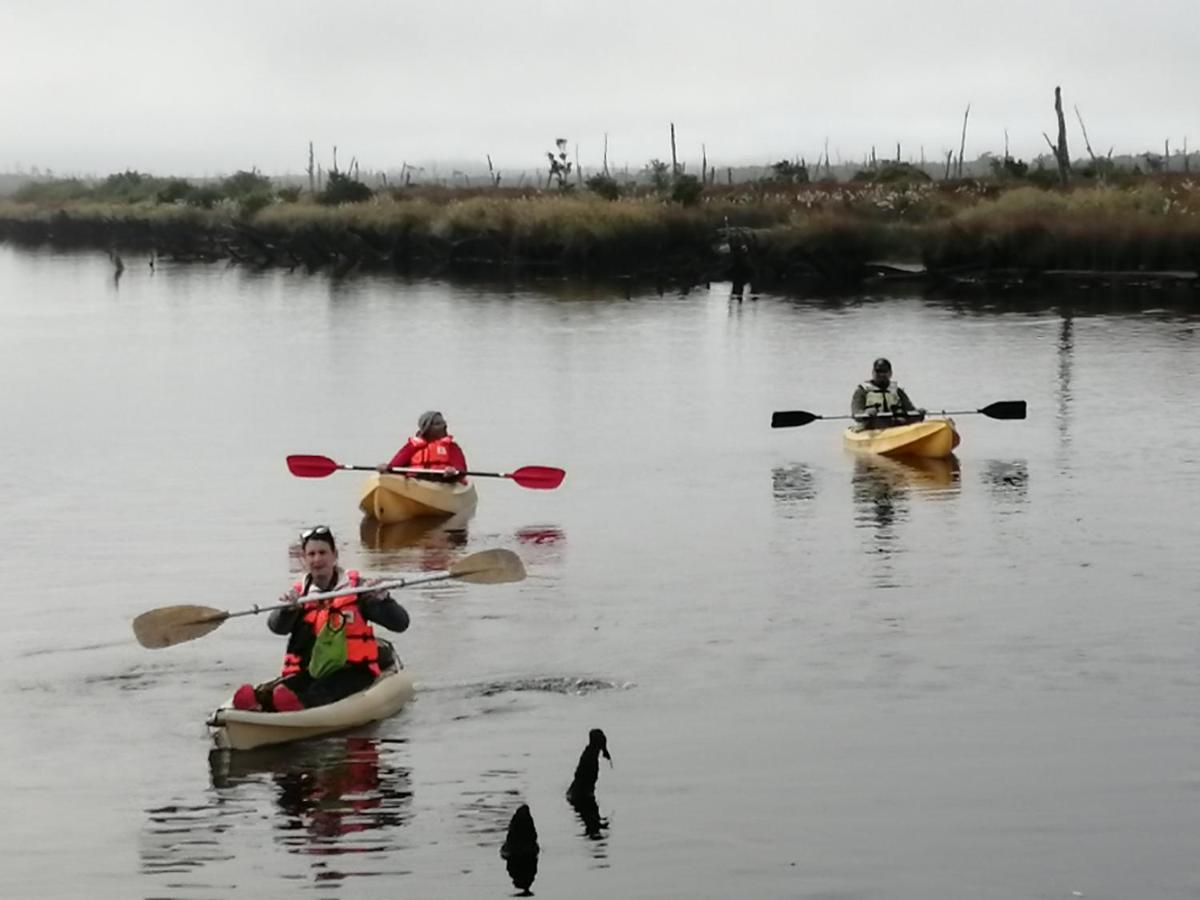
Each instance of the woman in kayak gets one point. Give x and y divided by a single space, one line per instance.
431 448
882 397
331 650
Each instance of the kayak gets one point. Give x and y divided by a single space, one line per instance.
396 498
933 438
239 729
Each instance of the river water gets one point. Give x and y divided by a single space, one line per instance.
819 677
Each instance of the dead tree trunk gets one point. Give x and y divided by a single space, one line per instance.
1087 144
962 146
1064 157
312 172
674 159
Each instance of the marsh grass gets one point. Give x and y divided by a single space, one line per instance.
828 230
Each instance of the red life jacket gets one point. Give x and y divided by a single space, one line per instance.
361 647
431 454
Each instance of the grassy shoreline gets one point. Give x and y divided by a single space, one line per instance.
766 234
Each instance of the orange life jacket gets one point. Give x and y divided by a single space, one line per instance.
431 454
361 647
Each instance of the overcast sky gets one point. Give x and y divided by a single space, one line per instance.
210 86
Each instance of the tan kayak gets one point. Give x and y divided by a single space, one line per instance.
933 438
396 498
237 729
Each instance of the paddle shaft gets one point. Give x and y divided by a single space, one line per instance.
400 471
340 592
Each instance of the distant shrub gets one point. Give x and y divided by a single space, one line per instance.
341 188
176 190
58 191
604 185
893 173
249 204
788 172
289 194
243 183
687 190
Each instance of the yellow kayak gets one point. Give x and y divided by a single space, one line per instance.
932 438
397 498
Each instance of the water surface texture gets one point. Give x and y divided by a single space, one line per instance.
819 676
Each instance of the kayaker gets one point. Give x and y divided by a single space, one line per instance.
331 650
881 398
432 447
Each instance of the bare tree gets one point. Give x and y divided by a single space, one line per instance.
962 147
1061 154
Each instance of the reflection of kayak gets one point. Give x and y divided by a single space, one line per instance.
917 471
426 531
932 438
237 729
395 498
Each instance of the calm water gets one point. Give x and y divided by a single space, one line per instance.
819 678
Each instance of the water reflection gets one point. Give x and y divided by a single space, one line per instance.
325 791
1066 353
882 488
330 798
1007 480
794 488
429 542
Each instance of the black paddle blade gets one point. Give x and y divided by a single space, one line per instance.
792 418
1005 409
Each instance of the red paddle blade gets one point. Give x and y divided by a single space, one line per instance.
540 478
311 466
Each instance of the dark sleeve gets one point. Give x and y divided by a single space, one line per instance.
858 403
383 610
282 621
905 403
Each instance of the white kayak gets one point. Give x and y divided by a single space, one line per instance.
238 729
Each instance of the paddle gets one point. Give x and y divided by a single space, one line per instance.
171 625
543 478
1002 409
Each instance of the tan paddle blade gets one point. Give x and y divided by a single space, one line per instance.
489 567
171 625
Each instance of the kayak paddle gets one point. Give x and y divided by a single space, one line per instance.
171 625
544 478
1002 409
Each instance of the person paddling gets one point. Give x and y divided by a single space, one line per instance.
433 448
881 398
331 651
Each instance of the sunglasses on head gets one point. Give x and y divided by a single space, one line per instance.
319 530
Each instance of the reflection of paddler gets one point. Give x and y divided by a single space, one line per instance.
334 788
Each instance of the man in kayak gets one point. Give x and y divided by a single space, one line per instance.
431 448
331 650
881 402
